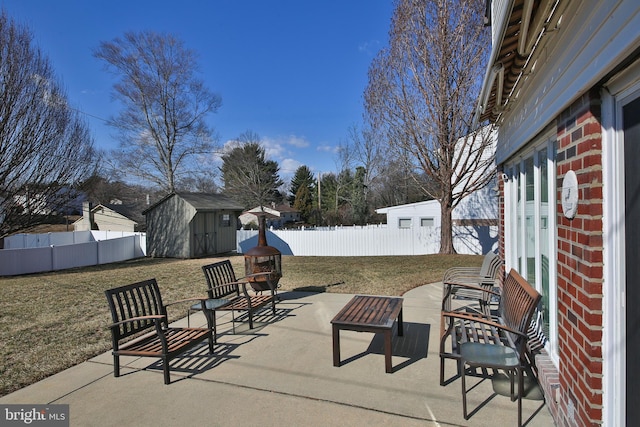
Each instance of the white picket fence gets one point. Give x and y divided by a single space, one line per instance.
35 253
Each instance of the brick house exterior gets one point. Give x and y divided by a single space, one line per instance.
563 88
580 261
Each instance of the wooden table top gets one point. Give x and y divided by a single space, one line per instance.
369 310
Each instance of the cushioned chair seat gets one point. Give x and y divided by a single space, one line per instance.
479 354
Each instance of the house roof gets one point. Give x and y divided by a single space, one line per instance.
267 215
201 202
278 208
517 39
408 205
126 211
285 208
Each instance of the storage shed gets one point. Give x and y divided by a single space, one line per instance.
191 225
479 208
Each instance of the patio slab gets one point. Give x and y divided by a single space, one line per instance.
282 373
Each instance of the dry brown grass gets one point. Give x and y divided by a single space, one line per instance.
51 321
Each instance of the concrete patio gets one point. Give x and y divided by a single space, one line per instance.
282 373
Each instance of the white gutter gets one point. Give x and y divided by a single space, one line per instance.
501 11
524 27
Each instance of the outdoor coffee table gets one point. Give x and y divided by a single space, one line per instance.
366 313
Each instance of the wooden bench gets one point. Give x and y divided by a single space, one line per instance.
227 293
137 311
517 304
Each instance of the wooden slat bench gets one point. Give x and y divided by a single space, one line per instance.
137 311
227 293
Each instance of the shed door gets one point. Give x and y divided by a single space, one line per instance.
631 120
204 237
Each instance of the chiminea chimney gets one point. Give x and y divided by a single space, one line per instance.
263 258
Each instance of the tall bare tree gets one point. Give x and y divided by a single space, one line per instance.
398 184
421 94
45 147
369 152
162 127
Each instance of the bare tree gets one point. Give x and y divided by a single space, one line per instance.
398 184
162 126
248 176
369 152
421 94
45 147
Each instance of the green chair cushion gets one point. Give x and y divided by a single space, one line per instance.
480 354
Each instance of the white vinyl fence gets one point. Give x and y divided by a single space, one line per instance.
371 241
34 253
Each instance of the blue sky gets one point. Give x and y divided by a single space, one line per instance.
292 71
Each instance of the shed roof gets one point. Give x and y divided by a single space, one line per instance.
201 202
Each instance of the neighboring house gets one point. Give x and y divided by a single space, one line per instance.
412 215
479 209
563 85
189 225
64 201
475 219
107 217
278 216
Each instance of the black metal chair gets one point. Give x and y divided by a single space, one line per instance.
228 293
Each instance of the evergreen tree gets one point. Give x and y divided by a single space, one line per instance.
248 176
304 203
302 178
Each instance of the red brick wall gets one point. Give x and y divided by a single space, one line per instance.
580 272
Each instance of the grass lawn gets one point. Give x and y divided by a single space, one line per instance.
51 321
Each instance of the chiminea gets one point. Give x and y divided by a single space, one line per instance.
263 258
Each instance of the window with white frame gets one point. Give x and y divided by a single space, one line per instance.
404 222
427 222
530 231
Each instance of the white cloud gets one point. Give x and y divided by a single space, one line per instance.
289 166
327 148
229 145
370 47
297 141
273 148
284 150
